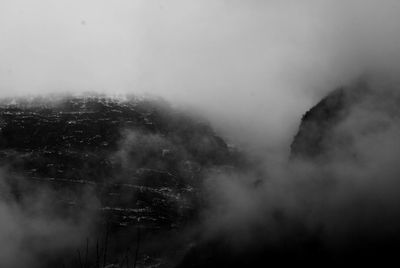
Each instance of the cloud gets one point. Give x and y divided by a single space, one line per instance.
35 231
253 67
348 199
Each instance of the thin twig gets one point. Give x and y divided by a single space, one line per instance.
87 253
105 247
79 258
97 254
137 247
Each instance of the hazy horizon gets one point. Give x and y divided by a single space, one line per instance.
266 61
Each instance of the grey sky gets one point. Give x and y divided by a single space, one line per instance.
239 61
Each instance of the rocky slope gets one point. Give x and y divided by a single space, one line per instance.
317 133
142 160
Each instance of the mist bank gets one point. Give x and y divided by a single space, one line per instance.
35 229
346 199
337 205
253 68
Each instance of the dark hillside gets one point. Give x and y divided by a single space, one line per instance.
143 160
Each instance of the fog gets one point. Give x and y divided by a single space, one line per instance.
253 67
35 230
347 198
250 67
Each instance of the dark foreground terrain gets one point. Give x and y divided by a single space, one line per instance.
134 166
131 172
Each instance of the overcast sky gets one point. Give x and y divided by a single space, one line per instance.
239 61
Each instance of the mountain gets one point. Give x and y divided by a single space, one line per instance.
142 160
316 135
350 140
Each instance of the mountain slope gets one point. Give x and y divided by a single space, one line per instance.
316 133
141 160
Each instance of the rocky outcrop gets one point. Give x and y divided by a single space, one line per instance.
141 158
315 134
